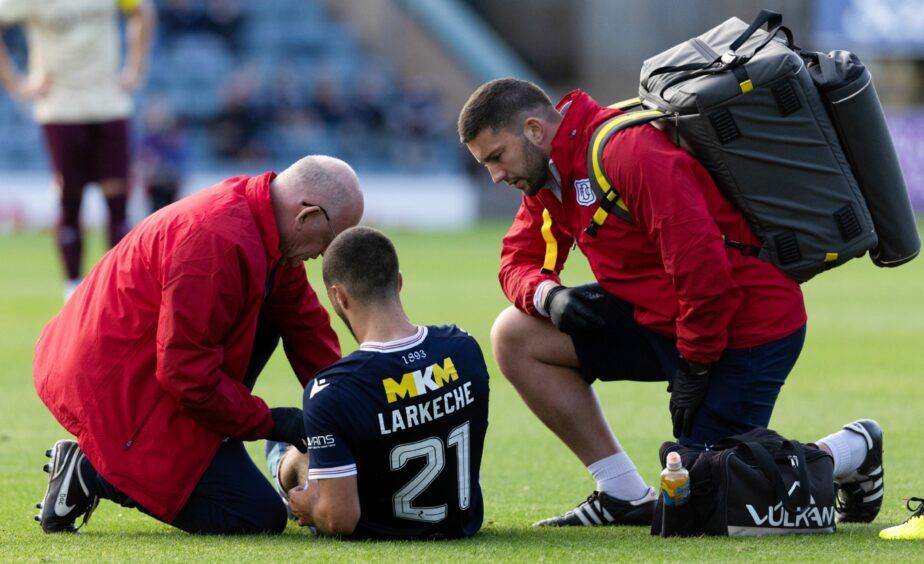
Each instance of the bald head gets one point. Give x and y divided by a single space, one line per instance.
313 193
327 182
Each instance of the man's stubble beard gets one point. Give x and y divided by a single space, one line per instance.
536 164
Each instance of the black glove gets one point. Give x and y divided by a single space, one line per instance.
573 310
691 382
289 427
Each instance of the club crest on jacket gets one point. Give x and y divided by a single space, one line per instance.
583 191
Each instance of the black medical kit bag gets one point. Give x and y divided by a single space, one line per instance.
756 483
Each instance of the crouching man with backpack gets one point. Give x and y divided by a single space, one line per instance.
677 297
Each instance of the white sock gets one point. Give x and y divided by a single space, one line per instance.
848 449
70 286
617 476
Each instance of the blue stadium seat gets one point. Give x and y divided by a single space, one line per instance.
192 69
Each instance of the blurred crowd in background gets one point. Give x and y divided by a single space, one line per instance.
288 80
255 85
247 86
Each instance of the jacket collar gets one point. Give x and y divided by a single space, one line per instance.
570 142
261 206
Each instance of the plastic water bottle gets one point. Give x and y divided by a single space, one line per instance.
675 493
675 482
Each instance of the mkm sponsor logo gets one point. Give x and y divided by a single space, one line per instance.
419 382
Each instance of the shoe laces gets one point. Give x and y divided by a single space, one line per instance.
918 511
591 497
86 516
93 500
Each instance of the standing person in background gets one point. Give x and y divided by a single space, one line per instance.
82 101
161 153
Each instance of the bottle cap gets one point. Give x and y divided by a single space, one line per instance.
673 461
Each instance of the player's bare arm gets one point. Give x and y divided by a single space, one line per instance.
139 30
17 84
331 505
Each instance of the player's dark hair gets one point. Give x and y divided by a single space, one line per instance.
362 260
500 104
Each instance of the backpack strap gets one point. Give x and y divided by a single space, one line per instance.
731 60
626 105
774 21
611 203
610 200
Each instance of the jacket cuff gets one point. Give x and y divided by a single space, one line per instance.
698 356
537 297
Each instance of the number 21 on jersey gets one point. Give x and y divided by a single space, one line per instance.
433 450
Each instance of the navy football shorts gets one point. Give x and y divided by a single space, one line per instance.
623 350
743 384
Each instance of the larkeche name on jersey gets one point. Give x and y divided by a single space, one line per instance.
419 383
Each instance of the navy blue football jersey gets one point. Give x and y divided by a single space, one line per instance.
408 418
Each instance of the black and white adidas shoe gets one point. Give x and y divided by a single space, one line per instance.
602 509
859 496
67 497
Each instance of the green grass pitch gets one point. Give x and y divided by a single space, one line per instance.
862 358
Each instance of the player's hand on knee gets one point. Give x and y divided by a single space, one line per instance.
574 310
688 390
289 427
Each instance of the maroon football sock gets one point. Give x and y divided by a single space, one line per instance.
70 239
118 225
70 244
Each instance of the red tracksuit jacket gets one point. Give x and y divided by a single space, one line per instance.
671 264
145 362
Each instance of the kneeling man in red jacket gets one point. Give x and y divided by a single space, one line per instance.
676 296
152 362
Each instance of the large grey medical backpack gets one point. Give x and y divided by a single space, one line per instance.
795 139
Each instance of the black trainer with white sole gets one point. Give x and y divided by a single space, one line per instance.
67 497
859 496
602 509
